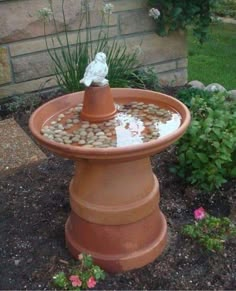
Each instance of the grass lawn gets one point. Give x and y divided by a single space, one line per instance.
215 60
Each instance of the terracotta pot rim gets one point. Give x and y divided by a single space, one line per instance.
123 261
130 151
98 118
116 214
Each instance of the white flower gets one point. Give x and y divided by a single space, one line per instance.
108 8
154 13
45 14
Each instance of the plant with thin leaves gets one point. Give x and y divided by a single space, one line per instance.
70 60
121 64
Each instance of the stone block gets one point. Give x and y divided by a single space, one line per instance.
136 21
164 67
36 45
182 63
173 78
24 37
37 65
232 94
197 84
32 66
155 49
124 5
25 87
27 25
5 69
17 150
215 87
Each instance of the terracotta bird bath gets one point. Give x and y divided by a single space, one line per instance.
114 195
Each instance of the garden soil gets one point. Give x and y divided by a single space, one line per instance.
34 206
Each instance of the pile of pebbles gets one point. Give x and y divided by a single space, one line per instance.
68 128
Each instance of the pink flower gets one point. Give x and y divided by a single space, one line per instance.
75 281
199 213
91 282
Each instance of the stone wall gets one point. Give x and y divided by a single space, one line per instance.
24 62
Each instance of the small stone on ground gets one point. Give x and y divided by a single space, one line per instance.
16 148
197 84
232 94
215 87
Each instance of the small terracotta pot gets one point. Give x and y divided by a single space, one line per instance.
114 195
98 104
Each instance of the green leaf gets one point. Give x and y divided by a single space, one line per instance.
203 157
60 280
98 273
177 12
87 260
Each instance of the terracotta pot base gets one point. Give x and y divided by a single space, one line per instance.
113 205
118 248
114 194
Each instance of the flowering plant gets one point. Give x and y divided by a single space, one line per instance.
83 277
179 14
199 213
210 231
71 52
45 14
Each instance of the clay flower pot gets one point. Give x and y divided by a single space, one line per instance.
98 105
114 195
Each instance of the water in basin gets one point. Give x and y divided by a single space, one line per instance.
135 123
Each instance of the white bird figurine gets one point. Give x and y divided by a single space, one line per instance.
96 71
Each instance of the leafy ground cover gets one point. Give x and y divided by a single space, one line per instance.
214 61
36 206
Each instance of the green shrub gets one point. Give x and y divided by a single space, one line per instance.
187 95
179 14
207 152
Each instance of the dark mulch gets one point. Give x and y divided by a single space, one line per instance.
34 206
